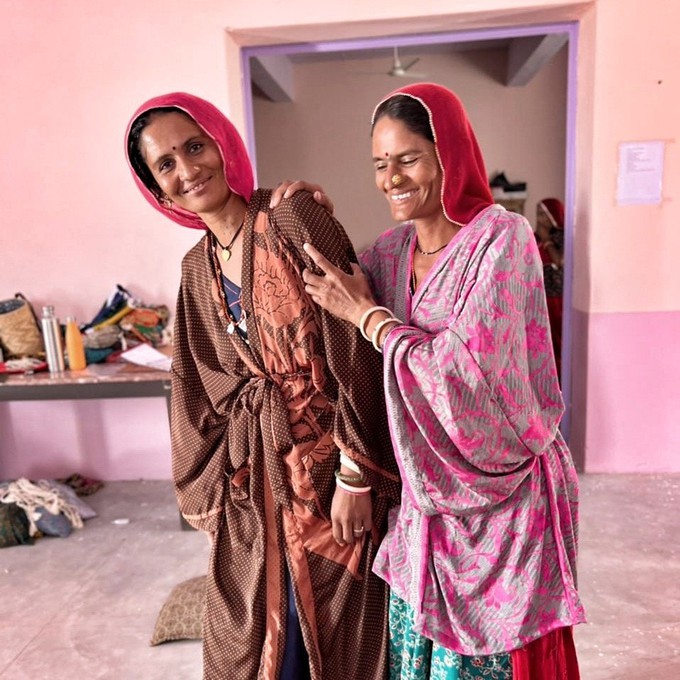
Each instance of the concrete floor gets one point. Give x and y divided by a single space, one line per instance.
84 606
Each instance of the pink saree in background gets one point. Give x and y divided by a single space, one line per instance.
483 545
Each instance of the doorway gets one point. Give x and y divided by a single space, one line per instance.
380 51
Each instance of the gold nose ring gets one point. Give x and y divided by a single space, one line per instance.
397 180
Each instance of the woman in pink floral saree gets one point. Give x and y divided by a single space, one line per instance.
481 554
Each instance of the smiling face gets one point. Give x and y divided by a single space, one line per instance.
399 151
185 162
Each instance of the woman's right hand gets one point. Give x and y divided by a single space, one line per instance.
289 187
346 296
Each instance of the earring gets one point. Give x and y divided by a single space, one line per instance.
166 202
397 180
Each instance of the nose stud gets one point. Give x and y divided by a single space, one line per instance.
397 180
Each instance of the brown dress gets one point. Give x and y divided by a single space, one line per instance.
257 426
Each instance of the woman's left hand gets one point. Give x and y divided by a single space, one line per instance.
346 296
351 516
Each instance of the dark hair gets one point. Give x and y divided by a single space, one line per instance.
407 110
135 153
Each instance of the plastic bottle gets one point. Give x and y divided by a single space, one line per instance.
54 347
74 345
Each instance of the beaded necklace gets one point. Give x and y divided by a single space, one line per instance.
226 307
431 252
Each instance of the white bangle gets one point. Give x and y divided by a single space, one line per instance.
354 490
378 328
365 317
349 463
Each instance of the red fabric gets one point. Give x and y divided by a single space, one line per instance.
545 256
555 209
465 187
551 657
238 170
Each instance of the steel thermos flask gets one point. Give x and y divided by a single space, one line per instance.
54 346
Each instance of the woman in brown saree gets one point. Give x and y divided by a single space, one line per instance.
280 446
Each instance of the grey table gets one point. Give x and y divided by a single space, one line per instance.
98 381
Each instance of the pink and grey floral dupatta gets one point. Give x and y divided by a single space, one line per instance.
483 546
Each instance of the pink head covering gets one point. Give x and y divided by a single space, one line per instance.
554 210
465 187
238 171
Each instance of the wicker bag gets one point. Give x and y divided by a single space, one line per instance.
20 334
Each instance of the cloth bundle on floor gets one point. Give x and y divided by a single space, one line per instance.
13 526
39 500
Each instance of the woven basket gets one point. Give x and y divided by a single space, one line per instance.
20 334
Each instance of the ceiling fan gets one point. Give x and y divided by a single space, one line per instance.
400 70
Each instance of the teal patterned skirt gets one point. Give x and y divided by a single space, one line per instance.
414 657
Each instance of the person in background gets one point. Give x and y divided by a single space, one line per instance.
481 553
280 447
550 236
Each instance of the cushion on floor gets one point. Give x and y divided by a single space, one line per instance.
181 617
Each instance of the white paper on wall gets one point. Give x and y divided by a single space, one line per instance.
640 176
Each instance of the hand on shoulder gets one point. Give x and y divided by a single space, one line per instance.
288 188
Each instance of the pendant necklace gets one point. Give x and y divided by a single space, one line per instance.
226 250
220 276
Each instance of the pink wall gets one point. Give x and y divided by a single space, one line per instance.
629 92
73 224
626 281
636 410
115 439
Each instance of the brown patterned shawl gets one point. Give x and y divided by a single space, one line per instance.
256 432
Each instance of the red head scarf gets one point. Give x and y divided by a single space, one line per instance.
238 171
465 186
554 210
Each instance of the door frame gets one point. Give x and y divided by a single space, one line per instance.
570 28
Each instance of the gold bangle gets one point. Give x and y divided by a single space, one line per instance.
349 479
